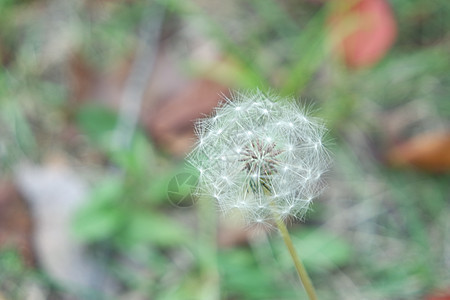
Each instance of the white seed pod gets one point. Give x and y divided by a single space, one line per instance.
260 155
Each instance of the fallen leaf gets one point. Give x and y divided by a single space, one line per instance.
439 296
362 31
171 122
87 83
15 222
82 78
428 152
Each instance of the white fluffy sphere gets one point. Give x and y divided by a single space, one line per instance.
260 155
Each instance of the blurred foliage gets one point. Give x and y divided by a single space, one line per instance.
12 271
387 238
123 219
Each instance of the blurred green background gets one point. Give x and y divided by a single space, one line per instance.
97 104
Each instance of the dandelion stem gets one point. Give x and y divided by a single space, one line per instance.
304 278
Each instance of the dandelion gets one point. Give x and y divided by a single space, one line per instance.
263 157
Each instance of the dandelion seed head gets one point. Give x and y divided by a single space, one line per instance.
258 154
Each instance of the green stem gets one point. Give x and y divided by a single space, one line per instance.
304 278
207 247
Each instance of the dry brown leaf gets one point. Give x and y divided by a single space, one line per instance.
87 83
82 78
428 152
15 222
171 123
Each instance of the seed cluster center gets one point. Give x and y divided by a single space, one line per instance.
260 162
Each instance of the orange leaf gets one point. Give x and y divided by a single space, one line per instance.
428 152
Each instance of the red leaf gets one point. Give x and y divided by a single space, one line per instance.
362 31
438 296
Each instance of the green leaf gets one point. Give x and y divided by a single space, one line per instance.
319 250
138 159
102 217
92 225
242 278
97 122
148 226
